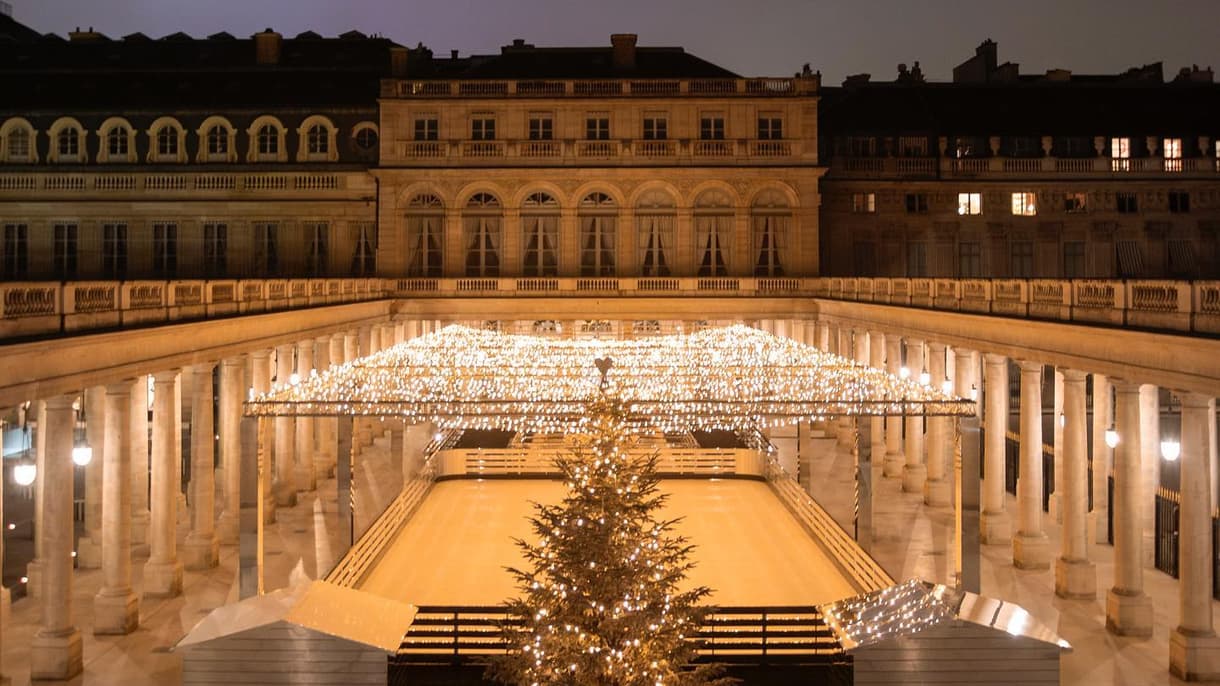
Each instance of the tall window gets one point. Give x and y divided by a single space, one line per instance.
68 143
713 233
483 129
217 142
116 143
63 254
912 146
364 261
969 204
428 128
425 236
1022 257
1172 148
16 251
317 248
1024 204
1076 203
1179 202
597 128
542 127
215 249
598 216
165 250
1073 260
318 140
861 146
654 218
114 250
711 127
167 142
770 217
917 259
268 141
266 249
481 233
1126 202
19 144
540 235
656 128
864 203
1120 154
770 127
969 260
917 203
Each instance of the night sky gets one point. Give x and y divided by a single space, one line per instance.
753 38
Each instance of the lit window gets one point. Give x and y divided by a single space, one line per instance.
656 128
598 217
483 129
969 203
366 139
864 203
427 129
1120 154
770 128
597 128
481 224
268 140
167 142
542 127
1024 204
318 139
1075 203
711 127
1173 154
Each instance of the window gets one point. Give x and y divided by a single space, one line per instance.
1120 154
1024 204
770 128
542 127
969 203
1022 259
16 251
366 139
67 143
1073 260
598 217
655 233
63 256
864 203
167 142
1182 259
540 235
428 129
1076 203
711 127
317 248
19 145
425 236
215 249
1130 259
917 259
114 251
970 146
1172 148
770 218
656 128
597 128
165 250
364 259
268 141
917 203
1026 146
862 146
1126 203
116 143
481 222
713 214
266 249
864 256
1179 202
482 129
969 260
912 146
217 142
318 140
1074 146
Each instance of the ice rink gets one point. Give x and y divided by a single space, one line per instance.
749 549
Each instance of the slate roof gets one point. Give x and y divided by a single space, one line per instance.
524 61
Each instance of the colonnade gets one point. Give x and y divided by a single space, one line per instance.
918 452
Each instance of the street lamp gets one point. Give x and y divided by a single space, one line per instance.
946 387
925 378
82 454
904 372
25 473
1111 437
1171 450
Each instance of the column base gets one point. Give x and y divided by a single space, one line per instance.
913 478
305 479
228 526
1075 579
1031 551
56 657
1194 657
1128 614
89 553
115 614
163 579
33 579
200 552
285 495
995 528
937 493
892 467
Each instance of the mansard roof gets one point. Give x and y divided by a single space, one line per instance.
524 61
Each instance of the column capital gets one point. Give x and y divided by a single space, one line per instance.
1194 400
120 387
1030 366
324 338
1073 375
202 367
936 346
995 359
61 402
1124 386
235 361
306 344
165 376
285 348
261 353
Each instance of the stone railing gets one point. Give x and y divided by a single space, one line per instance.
559 88
1018 167
47 308
119 182
571 152
709 462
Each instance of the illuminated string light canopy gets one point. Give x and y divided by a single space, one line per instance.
727 377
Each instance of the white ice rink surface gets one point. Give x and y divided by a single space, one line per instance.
749 549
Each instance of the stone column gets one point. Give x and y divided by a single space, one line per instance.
1055 502
876 354
137 435
1075 575
365 337
337 357
914 472
163 571
33 570
1150 462
323 442
306 453
939 486
116 609
374 343
89 547
1030 547
260 381
351 346
1103 419
285 431
822 335
1194 650
55 651
893 425
995 521
201 549
232 392
1128 608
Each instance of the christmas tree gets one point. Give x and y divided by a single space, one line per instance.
601 593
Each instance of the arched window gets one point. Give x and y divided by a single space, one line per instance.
769 218
598 214
17 144
654 221
217 141
267 140
67 141
713 215
425 236
118 141
481 221
540 235
167 141
317 140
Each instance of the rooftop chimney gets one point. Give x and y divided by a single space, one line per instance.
79 36
267 47
398 62
624 50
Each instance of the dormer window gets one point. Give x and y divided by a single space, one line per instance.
18 145
17 141
217 141
318 140
167 142
67 143
116 142
268 141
